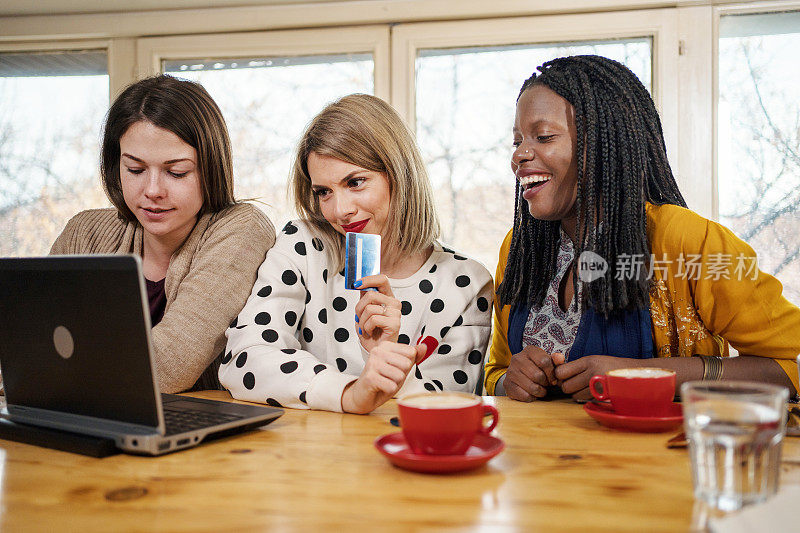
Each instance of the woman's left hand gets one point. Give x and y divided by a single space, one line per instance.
377 312
575 375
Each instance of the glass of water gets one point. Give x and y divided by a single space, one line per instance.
735 432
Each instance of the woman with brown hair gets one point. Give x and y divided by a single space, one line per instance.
303 340
168 171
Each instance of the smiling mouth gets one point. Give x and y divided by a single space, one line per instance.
155 210
533 180
355 227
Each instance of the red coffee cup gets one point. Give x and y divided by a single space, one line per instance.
443 423
636 391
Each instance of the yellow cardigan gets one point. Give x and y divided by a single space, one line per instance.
698 313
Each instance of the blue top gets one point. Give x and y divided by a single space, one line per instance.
624 335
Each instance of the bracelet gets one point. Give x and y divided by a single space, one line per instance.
712 367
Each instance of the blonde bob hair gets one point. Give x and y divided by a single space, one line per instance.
365 131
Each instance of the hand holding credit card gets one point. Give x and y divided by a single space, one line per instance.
362 257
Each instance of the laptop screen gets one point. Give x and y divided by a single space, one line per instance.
74 337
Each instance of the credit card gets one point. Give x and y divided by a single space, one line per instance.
362 257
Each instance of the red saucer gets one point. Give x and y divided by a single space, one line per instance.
396 449
605 414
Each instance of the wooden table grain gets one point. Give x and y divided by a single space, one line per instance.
319 471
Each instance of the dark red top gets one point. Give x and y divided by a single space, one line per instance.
158 300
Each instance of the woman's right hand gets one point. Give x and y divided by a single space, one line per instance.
387 366
378 312
529 374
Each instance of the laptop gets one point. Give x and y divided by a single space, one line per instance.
76 355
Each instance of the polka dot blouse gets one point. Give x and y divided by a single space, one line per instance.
295 343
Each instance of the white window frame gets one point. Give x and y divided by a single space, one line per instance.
374 39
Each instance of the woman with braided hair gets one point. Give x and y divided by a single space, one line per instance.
605 267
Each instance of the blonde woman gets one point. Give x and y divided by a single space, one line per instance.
303 340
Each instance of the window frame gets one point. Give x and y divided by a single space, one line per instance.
151 52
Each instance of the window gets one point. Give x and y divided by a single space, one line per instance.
51 109
269 85
465 110
462 99
758 139
267 102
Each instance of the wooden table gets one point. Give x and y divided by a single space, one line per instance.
319 471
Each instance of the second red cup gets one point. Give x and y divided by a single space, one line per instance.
636 391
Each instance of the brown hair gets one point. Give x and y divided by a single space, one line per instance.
186 109
363 130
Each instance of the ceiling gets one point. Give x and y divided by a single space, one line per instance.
65 7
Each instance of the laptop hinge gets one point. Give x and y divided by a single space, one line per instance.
88 425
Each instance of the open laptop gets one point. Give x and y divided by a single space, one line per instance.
76 355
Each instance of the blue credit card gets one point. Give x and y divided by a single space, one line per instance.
362 257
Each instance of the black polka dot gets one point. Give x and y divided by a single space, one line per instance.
483 304
339 303
341 335
226 358
300 248
289 350
444 331
249 381
234 322
341 272
290 229
444 349
460 376
289 277
308 335
437 305
262 319
323 316
341 364
417 373
425 286
265 291
291 318
403 339
289 367
303 397
462 281
430 387
273 402
438 384
316 242
475 357
459 321
448 250
422 333
405 308
319 368
308 296
269 335
325 275
432 270
459 257
241 360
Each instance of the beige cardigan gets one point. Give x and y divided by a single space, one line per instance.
208 280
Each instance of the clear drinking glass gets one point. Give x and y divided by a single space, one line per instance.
735 432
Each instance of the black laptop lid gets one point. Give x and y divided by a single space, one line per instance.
74 337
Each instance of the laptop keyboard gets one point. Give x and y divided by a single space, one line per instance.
189 420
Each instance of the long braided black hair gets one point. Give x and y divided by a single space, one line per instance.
622 163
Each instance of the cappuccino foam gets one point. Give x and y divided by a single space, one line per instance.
640 372
439 401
